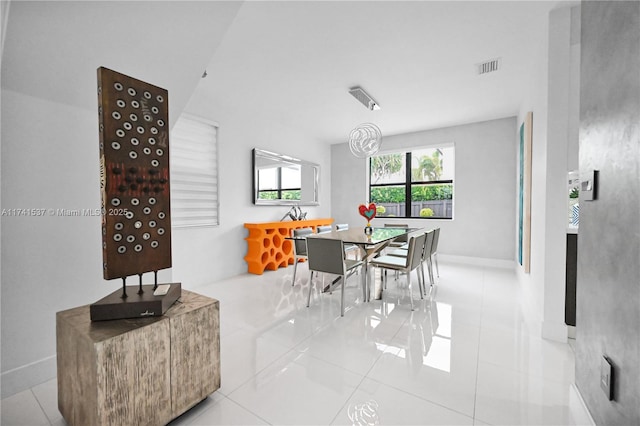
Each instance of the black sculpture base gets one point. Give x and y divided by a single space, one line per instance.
135 305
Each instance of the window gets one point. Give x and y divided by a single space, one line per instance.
422 176
279 182
194 172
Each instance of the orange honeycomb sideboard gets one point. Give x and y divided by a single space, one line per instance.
267 244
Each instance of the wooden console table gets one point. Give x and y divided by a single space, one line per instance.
142 371
267 246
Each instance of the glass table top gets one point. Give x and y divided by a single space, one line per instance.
357 236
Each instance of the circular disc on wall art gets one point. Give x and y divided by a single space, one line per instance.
365 140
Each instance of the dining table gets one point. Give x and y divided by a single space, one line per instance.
370 245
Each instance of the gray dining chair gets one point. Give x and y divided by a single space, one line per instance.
434 249
299 248
327 255
402 239
348 248
404 264
426 258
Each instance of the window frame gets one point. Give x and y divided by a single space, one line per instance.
408 183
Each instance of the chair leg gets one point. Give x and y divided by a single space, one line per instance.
310 287
428 275
410 292
342 297
435 257
420 273
295 269
430 269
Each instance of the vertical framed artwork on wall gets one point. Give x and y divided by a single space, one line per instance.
524 193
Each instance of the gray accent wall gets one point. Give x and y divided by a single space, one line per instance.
608 287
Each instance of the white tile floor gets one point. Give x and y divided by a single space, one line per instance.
467 356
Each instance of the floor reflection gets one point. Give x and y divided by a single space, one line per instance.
467 355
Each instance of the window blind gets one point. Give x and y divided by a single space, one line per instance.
194 172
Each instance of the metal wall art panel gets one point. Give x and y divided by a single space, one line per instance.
134 175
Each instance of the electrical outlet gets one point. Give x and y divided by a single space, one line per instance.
606 377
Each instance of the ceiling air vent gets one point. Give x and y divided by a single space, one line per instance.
488 66
364 98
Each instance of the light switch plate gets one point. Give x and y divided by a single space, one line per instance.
589 185
606 377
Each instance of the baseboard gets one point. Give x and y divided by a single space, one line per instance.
554 331
578 408
28 376
478 261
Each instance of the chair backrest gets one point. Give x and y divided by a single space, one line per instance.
342 226
324 228
326 255
428 244
402 238
416 247
436 237
300 245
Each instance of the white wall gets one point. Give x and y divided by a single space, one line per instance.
207 254
50 160
558 120
484 184
348 185
551 96
535 100
51 262
50 151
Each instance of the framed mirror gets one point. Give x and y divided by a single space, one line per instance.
282 180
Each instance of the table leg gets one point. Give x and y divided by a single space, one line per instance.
367 294
369 252
364 282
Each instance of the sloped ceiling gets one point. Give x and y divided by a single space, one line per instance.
293 62
53 48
